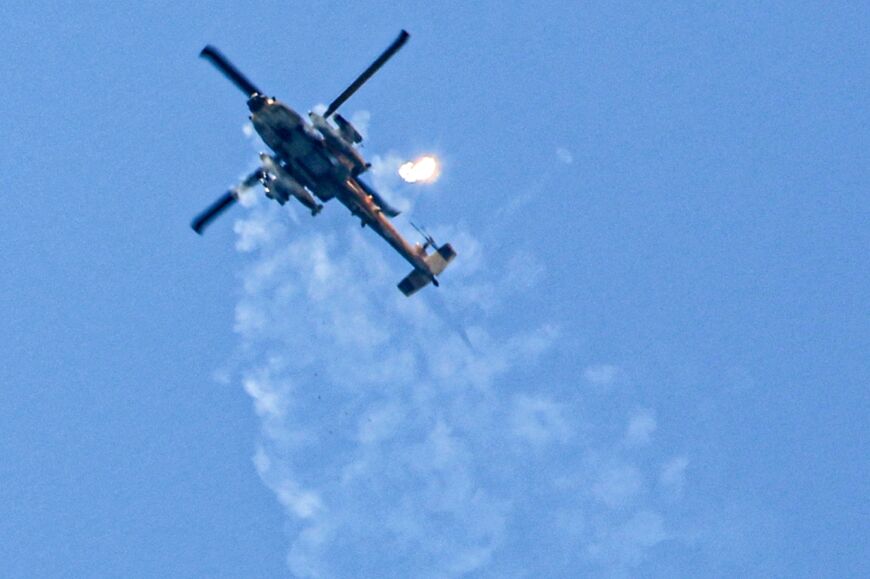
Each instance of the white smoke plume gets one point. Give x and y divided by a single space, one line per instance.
399 446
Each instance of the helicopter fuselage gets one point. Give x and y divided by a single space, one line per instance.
327 171
316 158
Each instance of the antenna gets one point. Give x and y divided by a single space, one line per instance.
430 241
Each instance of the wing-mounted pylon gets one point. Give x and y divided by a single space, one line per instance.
280 185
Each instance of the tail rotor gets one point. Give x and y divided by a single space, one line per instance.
429 240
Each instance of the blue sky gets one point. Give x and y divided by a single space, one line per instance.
649 359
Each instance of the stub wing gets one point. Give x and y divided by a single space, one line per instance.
437 262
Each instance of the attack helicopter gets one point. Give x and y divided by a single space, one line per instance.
315 160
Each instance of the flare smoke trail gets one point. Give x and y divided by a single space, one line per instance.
397 450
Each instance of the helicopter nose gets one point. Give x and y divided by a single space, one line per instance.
256 103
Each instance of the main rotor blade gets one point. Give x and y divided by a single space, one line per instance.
222 204
213 55
367 73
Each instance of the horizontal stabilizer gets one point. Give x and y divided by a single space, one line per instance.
437 262
413 282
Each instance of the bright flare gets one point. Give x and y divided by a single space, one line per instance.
423 170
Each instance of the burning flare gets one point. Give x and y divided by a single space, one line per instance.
423 170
